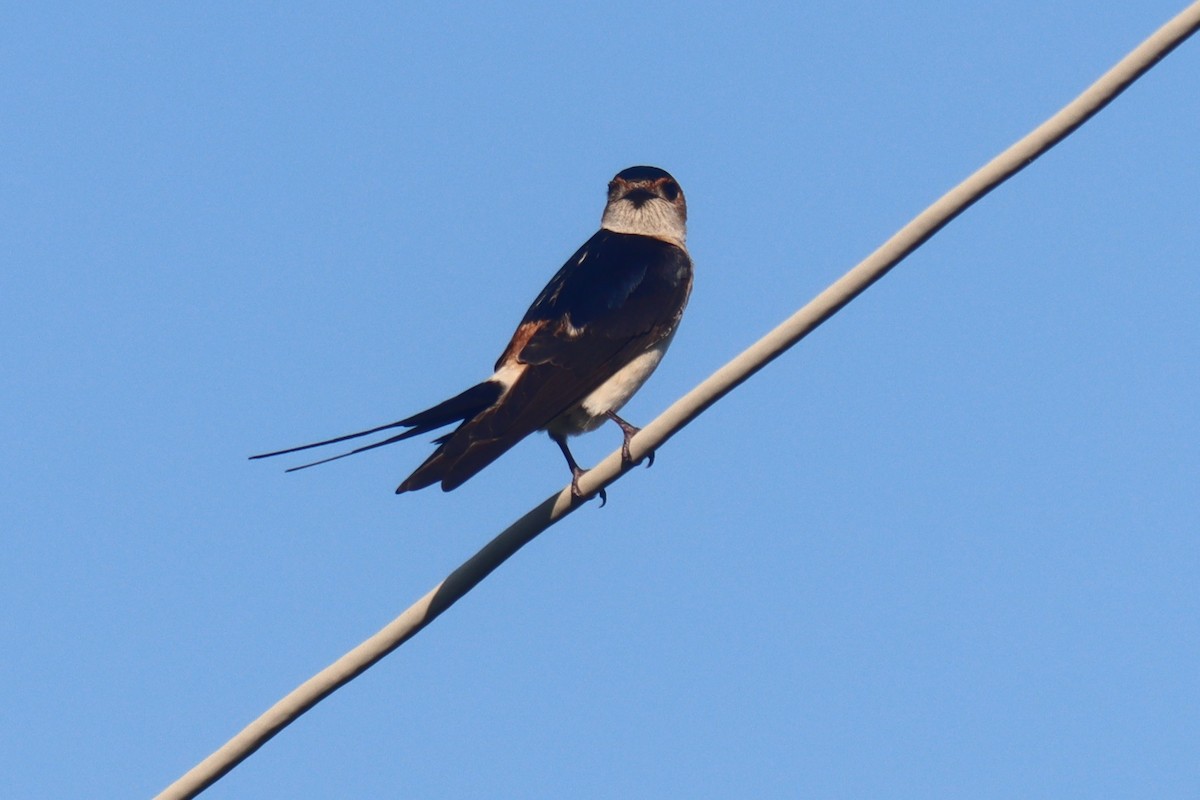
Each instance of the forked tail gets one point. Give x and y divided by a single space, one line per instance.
457 409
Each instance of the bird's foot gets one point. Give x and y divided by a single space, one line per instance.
576 474
629 430
628 459
576 471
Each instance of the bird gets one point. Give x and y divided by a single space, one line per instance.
588 342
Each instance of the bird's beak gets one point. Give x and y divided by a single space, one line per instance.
639 197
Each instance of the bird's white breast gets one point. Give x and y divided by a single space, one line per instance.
589 413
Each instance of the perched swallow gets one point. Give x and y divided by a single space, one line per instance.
588 342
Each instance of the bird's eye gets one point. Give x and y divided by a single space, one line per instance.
613 188
670 190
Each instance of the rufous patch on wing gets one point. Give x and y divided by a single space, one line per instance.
525 332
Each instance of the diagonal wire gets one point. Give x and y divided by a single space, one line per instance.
691 405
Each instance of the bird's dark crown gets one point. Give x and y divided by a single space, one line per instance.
636 174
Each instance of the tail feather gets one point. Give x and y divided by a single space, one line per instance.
476 443
461 407
453 466
363 449
335 440
533 399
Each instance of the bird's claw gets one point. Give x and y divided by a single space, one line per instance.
627 457
628 431
576 473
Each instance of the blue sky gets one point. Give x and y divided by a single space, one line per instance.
947 547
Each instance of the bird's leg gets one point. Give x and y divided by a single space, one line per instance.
576 470
630 431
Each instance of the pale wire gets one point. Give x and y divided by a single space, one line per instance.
687 408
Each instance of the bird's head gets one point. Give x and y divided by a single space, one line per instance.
646 201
